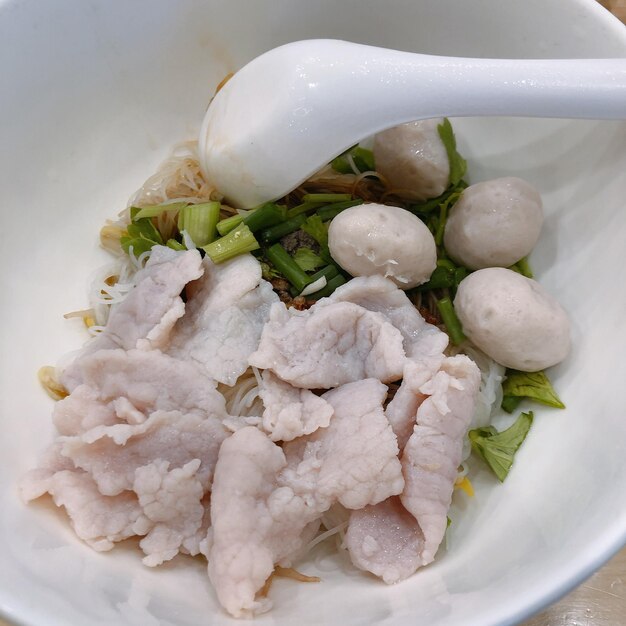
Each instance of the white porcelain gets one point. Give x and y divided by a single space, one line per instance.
294 108
94 94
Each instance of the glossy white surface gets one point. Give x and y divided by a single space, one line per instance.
96 93
290 111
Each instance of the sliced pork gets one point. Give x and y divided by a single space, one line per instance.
145 318
226 312
126 387
433 452
111 454
379 294
328 346
291 412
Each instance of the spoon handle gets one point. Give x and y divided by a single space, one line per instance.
435 86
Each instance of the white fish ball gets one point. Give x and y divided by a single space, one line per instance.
494 223
376 239
413 159
513 319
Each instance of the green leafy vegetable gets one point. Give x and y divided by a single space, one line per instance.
458 165
307 260
510 403
238 241
141 235
422 209
532 385
498 449
268 272
315 227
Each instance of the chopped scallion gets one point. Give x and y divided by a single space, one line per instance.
269 235
265 216
284 263
331 211
327 197
453 325
157 209
331 285
305 207
238 241
230 223
200 221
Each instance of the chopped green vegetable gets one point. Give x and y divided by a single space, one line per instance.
453 325
441 278
175 245
448 522
307 260
459 274
226 225
424 208
331 285
282 262
327 197
331 211
441 225
157 209
200 222
315 227
458 165
447 264
522 267
305 207
141 235
498 449
532 385
510 403
265 216
268 272
238 241
275 233
362 158
328 272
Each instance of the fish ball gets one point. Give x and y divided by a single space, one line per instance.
376 239
513 319
494 223
413 159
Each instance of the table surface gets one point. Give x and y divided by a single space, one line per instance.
601 600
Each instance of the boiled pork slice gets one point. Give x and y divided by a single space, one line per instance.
433 453
327 346
265 499
145 318
386 540
395 538
291 412
379 294
126 387
111 454
226 312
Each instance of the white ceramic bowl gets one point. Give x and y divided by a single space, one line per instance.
94 95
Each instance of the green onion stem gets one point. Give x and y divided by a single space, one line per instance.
331 285
453 325
331 211
157 209
441 226
230 223
268 214
284 263
175 245
327 197
200 221
269 235
330 271
238 241
305 207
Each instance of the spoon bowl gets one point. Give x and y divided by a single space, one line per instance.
291 110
